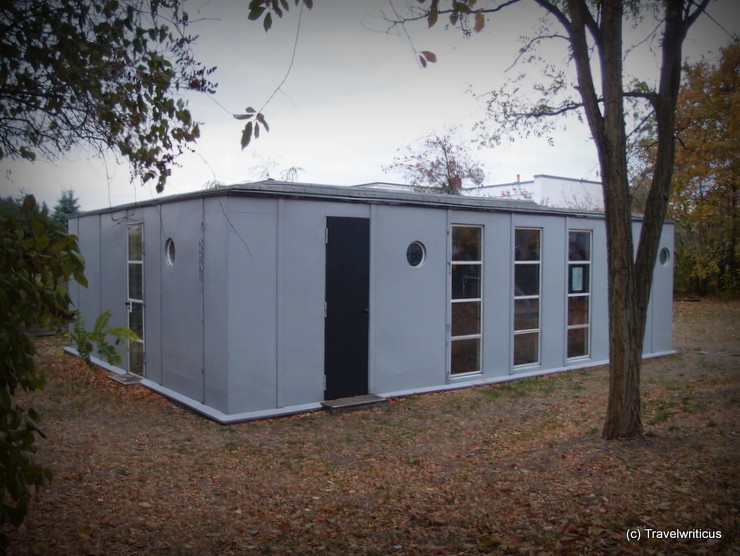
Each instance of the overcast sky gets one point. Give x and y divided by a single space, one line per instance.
354 96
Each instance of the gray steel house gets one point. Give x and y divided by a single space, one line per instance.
269 298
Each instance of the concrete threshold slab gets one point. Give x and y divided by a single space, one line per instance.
125 379
354 403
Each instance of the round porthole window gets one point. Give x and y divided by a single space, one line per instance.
416 253
664 256
169 250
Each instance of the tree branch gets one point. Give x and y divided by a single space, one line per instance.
527 47
652 97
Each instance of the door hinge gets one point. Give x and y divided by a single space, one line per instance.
324 383
326 236
326 310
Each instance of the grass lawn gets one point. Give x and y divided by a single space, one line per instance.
513 468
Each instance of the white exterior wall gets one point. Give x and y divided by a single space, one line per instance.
408 304
550 191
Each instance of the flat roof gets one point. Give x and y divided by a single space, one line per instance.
350 194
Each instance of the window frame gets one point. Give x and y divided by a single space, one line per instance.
583 293
136 348
518 334
460 340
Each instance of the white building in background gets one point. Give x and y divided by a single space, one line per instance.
549 191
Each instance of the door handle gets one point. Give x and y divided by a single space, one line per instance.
366 312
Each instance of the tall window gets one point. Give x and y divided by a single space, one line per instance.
527 264
467 297
579 293
135 294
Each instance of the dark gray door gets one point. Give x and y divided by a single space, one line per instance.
347 303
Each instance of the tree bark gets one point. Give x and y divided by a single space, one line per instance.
626 314
630 274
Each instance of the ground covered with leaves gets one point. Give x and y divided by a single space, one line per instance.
518 467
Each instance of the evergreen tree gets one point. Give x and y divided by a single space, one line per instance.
67 205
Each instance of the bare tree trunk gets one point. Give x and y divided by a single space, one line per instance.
630 274
626 315
626 328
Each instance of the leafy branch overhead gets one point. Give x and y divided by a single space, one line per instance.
259 8
252 128
105 74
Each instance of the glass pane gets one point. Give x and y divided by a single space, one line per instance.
465 356
136 319
578 310
466 281
415 253
578 278
466 243
136 358
526 348
527 245
466 318
526 314
579 246
135 242
578 342
135 281
526 279
170 251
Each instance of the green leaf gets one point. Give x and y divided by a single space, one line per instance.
461 7
246 135
256 9
26 153
37 227
267 22
261 119
433 15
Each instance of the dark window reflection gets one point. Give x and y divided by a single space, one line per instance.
577 342
466 318
465 356
466 281
527 245
526 279
466 243
526 348
526 314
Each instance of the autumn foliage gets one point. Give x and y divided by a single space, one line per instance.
704 198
